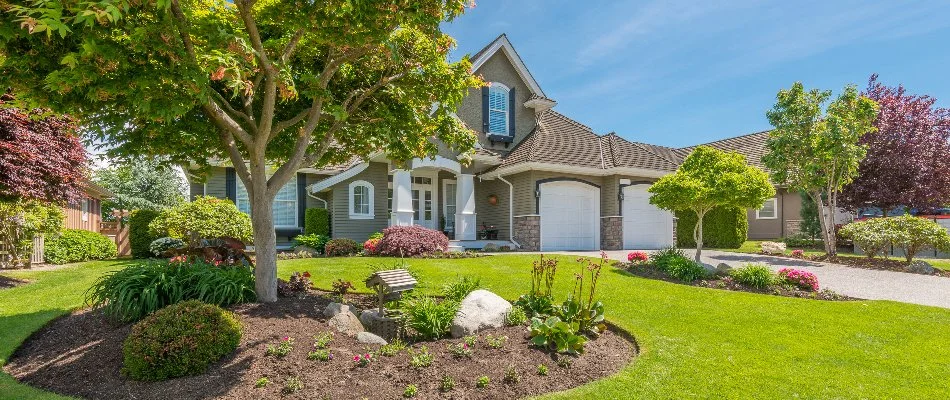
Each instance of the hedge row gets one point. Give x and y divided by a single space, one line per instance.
724 228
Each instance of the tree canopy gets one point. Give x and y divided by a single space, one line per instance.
908 154
710 178
817 150
268 85
141 184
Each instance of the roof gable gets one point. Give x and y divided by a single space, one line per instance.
502 44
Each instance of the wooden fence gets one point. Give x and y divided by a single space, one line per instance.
39 248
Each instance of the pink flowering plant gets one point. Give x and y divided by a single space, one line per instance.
803 279
798 253
362 360
637 257
282 348
461 350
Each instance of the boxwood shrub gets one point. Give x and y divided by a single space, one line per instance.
723 227
313 241
316 222
140 238
204 218
75 245
179 340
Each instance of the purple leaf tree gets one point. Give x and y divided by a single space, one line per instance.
908 156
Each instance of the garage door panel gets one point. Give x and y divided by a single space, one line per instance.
645 226
570 216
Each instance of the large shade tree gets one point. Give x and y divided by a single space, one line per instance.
710 178
269 85
140 184
815 147
908 157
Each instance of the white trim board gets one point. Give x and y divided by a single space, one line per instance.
502 43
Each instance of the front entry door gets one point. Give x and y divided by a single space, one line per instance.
423 202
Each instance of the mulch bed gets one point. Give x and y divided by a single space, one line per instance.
726 283
7 282
81 355
891 264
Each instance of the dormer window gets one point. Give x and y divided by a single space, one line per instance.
498 109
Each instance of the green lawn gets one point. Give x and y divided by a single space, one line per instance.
695 342
754 246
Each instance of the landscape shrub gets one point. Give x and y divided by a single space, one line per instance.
662 258
341 247
314 241
913 234
161 245
803 242
723 227
135 291
408 241
20 221
802 279
180 340
685 269
140 237
754 275
637 257
74 245
316 222
204 218
371 247
872 235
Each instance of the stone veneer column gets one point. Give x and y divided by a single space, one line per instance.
611 233
527 230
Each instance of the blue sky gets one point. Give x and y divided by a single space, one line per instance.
679 73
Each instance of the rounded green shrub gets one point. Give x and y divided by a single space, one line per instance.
140 238
754 275
179 340
685 269
316 222
313 241
723 228
75 245
204 218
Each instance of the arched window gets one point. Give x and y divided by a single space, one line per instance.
498 112
361 200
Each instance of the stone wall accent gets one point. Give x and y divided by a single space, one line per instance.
793 227
528 232
611 233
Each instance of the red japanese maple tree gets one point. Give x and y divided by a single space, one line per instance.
908 156
41 158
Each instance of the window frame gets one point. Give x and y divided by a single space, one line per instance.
371 200
445 203
238 200
506 111
84 208
774 202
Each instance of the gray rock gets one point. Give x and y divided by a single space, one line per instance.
723 269
346 323
479 310
919 267
369 338
709 268
336 308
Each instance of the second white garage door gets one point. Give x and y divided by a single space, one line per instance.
645 226
570 216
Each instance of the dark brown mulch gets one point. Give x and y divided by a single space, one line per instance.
726 283
890 264
7 282
81 355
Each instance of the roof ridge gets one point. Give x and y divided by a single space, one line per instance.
725 139
483 49
572 121
646 148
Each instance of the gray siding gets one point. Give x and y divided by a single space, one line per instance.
360 229
498 69
789 209
487 214
215 183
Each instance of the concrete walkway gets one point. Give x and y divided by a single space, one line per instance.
855 282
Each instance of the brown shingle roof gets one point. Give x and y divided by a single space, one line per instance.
752 146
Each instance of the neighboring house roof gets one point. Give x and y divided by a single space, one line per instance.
752 146
95 191
501 43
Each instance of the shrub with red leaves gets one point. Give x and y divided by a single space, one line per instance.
411 241
40 156
371 247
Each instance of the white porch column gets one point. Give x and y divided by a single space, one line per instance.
402 198
465 207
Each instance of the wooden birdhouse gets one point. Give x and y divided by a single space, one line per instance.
389 285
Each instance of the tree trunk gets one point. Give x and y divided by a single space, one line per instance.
265 244
698 235
832 243
816 198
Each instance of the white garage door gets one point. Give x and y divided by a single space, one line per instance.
570 216
645 226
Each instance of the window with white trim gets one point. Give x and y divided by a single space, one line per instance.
498 109
84 209
361 200
285 203
769 210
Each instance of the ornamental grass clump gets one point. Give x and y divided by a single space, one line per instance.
802 279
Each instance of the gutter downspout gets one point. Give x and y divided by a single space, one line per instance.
511 210
325 206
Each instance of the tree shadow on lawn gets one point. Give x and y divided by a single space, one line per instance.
81 355
761 258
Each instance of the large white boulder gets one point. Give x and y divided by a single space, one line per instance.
479 310
773 248
335 308
346 323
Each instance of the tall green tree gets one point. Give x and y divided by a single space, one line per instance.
710 178
816 148
140 184
269 85
810 225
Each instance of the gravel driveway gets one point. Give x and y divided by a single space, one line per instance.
855 282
